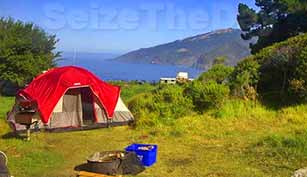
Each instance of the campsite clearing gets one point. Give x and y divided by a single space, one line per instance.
265 143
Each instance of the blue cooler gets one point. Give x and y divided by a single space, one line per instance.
147 153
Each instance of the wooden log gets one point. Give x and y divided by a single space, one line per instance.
90 174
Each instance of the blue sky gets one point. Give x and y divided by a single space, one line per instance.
123 25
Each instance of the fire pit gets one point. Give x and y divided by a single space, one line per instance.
4 172
112 163
106 162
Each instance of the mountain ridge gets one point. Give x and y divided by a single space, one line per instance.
197 51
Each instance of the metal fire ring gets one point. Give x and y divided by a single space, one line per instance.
2 155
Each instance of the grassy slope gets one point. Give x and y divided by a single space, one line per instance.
128 90
245 141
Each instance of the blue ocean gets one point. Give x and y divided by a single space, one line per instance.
114 70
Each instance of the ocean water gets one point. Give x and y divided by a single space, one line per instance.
114 70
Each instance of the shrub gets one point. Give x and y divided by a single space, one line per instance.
171 103
162 106
218 73
245 78
283 70
298 85
143 109
278 72
207 95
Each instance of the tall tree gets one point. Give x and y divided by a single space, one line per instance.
25 51
277 20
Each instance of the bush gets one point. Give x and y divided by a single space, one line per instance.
218 73
171 103
277 72
207 95
244 78
298 85
162 106
283 70
143 109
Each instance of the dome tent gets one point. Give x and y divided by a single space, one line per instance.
72 97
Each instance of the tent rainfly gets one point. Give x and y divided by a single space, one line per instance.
71 97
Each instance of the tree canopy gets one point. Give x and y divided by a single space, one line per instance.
25 51
276 21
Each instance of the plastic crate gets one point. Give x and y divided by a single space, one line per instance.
147 157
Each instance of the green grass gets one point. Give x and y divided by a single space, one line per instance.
6 104
129 89
241 139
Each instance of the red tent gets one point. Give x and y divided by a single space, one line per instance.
49 87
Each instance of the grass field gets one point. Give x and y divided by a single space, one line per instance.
246 140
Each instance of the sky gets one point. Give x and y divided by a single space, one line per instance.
118 26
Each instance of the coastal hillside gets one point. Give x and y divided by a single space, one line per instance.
197 51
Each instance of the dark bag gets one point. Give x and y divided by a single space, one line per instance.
131 164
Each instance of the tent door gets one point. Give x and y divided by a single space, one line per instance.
88 115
